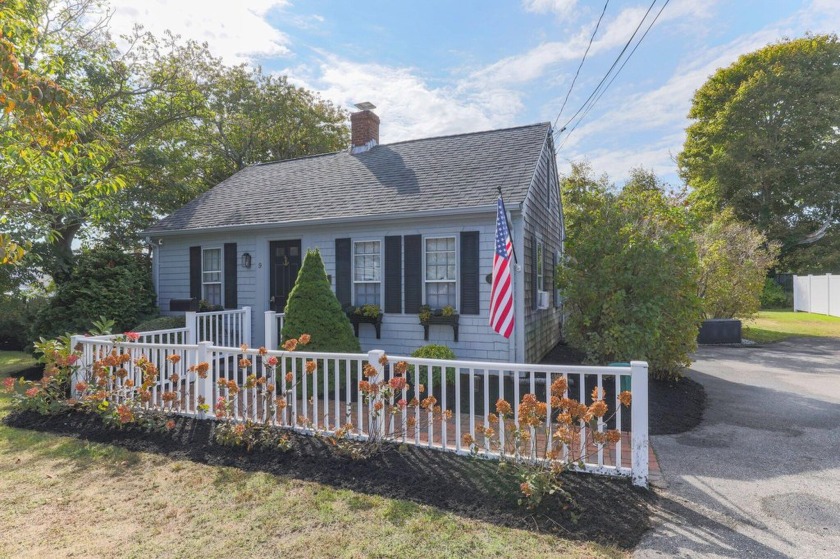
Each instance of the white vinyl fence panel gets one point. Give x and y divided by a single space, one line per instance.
466 393
817 294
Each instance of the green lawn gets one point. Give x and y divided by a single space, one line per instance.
773 326
62 497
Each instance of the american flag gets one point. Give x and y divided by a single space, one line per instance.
501 291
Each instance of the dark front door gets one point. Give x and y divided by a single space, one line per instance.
284 264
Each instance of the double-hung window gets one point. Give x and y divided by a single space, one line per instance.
540 264
440 272
367 274
211 275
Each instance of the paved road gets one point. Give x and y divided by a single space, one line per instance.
760 476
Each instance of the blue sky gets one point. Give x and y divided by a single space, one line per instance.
434 67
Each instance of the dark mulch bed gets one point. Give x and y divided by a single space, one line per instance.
36 372
674 407
608 511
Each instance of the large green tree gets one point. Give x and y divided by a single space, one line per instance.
765 141
630 275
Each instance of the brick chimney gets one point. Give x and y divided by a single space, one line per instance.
364 128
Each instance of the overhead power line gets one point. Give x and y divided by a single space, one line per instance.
623 64
577 72
599 89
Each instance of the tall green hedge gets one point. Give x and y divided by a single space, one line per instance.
106 282
313 309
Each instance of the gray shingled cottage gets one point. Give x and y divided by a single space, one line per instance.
398 225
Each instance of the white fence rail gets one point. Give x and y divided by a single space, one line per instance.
465 394
273 328
817 294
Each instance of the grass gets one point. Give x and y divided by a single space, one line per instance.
64 497
11 361
774 326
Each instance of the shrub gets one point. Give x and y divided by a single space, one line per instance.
630 277
160 323
313 309
434 351
106 282
734 259
16 318
774 297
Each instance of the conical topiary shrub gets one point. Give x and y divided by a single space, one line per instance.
313 309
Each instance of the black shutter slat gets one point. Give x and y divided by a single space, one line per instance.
413 246
534 288
230 276
343 270
469 272
393 274
195 272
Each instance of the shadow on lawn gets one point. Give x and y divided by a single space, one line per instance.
609 511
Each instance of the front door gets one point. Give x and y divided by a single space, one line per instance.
284 264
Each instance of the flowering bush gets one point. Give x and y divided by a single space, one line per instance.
250 435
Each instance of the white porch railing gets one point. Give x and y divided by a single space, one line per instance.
330 397
273 328
817 294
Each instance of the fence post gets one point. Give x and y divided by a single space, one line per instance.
374 356
270 337
639 422
190 319
205 385
246 326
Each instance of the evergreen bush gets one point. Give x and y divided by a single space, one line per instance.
434 351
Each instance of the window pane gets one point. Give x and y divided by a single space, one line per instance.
213 293
367 294
440 294
367 261
212 261
440 259
212 277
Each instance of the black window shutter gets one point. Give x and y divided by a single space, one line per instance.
230 276
469 272
195 273
413 273
534 288
343 279
393 274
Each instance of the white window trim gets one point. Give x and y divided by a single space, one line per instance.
457 267
381 269
221 282
539 265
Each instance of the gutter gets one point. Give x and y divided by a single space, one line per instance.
427 214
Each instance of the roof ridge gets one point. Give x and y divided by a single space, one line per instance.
536 124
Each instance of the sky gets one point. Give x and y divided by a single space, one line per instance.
435 67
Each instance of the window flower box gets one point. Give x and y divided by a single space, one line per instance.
449 320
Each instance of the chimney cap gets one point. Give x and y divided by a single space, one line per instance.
365 106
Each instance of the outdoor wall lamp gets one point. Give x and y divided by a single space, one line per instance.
246 260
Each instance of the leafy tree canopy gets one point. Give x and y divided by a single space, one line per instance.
765 141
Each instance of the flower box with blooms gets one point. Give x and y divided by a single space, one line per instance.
446 316
366 314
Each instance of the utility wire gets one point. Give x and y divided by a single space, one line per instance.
601 94
577 72
612 67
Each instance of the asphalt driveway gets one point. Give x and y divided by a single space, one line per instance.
760 476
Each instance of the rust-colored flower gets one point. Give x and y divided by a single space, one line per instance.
401 403
81 386
400 367
492 418
222 382
169 396
9 384
281 403
290 376
531 411
311 366
174 377
243 347
124 414
290 344
364 386
564 435
122 373
244 363
410 422
174 358
467 439
428 403
32 392
599 408
369 371
488 432
170 425
202 368
559 386
613 436
132 336
525 488
598 394
271 361
378 405
232 387
503 407
383 360
251 381
421 388
304 339
626 398
397 383
129 383
145 396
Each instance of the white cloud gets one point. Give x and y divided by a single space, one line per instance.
408 106
544 6
236 31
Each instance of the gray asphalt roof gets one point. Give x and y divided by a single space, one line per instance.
447 172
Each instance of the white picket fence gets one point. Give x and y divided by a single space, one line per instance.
273 328
224 328
817 294
330 397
